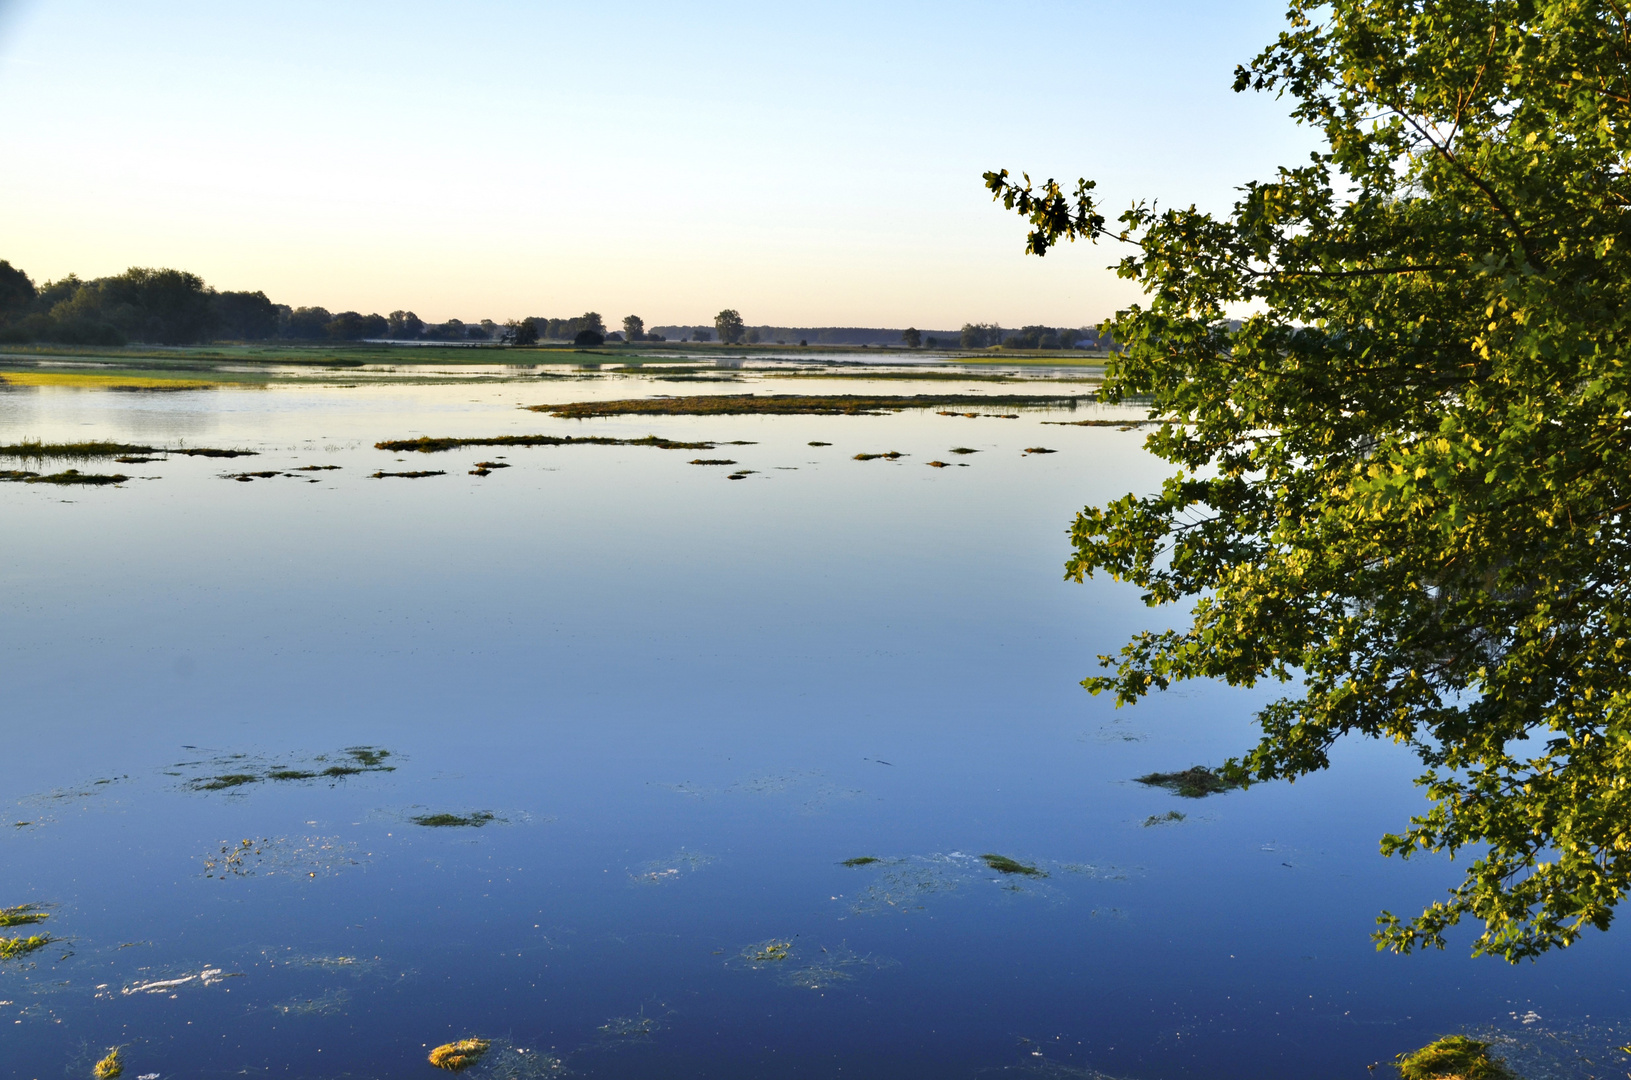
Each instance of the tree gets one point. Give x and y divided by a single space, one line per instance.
17 292
589 338
591 320
524 332
1403 485
728 324
307 323
403 326
980 335
634 328
245 316
912 338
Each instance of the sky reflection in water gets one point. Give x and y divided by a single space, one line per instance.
686 700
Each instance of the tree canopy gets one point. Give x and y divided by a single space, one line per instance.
1403 481
728 324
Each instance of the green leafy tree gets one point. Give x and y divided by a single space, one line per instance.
634 328
17 292
1403 486
524 333
911 337
728 325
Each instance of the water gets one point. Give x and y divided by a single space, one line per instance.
685 700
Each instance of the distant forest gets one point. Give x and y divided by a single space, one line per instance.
173 307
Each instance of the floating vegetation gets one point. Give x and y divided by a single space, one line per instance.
246 477
741 474
1121 425
355 761
819 444
832 967
454 821
211 452
331 1003
484 467
1039 450
939 464
891 455
266 857
427 445
101 382
770 952
1002 864
794 404
13 947
109 1067
315 468
661 871
134 460
69 476
22 914
415 475
711 461
964 450
30 448
1194 783
222 783
630 1028
456 1056
1171 817
861 860
1455 1057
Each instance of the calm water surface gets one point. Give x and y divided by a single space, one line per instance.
685 701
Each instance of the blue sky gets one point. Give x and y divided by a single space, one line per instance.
803 163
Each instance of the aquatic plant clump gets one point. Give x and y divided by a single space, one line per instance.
1195 783
29 448
455 1056
1171 817
892 455
13 947
69 476
454 821
109 1067
1455 1057
793 404
861 860
414 475
1002 864
427 445
712 461
1039 450
22 915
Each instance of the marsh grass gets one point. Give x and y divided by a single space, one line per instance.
1002 864
110 1067
460 1055
246 477
1195 783
794 404
938 464
416 474
892 455
711 461
1039 450
67 477
819 444
22 914
454 821
1455 1057
82 451
1120 425
963 450
13 947
315 468
427 445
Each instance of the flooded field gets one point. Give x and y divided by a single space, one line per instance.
369 726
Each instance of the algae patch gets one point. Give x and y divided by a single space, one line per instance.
456 1056
13 947
414 475
964 450
109 1067
68 476
454 821
1171 817
1002 864
1195 783
22 915
711 461
1455 1057
353 761
861 860
1039 450
892 455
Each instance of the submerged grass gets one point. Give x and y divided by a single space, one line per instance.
22 915
110 1067
454 821
1002 864
794 404
1195 783
13 947
1455 1057
427 445
456 1056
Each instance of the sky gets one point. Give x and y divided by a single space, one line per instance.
808 164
